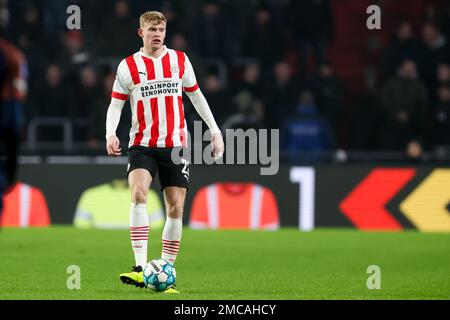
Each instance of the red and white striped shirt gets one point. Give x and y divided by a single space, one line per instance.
154 87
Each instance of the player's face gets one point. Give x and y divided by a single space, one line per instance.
153 35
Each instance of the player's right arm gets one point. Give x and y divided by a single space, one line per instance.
118 97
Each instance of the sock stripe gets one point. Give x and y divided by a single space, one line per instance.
170 246
171 239
171 242
139 228
170 252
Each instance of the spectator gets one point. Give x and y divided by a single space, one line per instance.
28 31
443 73
365 118
312 26
442 77
440 15
87 93
414 151
96 125
279 95
404 99
179 42
439 129
250 113
307 131
119 36
264 40
51 101
72 59
54 15
403 46
173 10
30 38
435 52
251 80
211 35
327 89
74 54
217 97
93 21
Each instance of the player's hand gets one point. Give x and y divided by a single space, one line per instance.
113 146
217 146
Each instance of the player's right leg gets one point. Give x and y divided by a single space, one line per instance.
141 169
139 181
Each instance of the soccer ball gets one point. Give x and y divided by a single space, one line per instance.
159 275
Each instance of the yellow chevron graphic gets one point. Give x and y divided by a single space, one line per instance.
426 206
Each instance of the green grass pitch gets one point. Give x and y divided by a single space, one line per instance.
287 264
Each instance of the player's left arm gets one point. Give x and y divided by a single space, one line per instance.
197 98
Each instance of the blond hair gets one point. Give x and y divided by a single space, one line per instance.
154 17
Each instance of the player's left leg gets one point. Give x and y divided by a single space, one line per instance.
174 202
174 180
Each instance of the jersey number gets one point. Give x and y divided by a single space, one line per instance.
185 169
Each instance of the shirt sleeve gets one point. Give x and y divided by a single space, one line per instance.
119 95
189 80
122 83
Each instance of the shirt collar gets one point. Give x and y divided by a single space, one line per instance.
141 52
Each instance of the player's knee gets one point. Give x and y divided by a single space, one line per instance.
175 210
139 195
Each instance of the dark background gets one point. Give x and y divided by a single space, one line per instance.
285 64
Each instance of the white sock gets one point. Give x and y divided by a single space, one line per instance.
171 239
139 232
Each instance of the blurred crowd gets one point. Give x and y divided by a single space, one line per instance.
252 60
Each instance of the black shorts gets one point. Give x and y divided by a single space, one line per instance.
159 160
